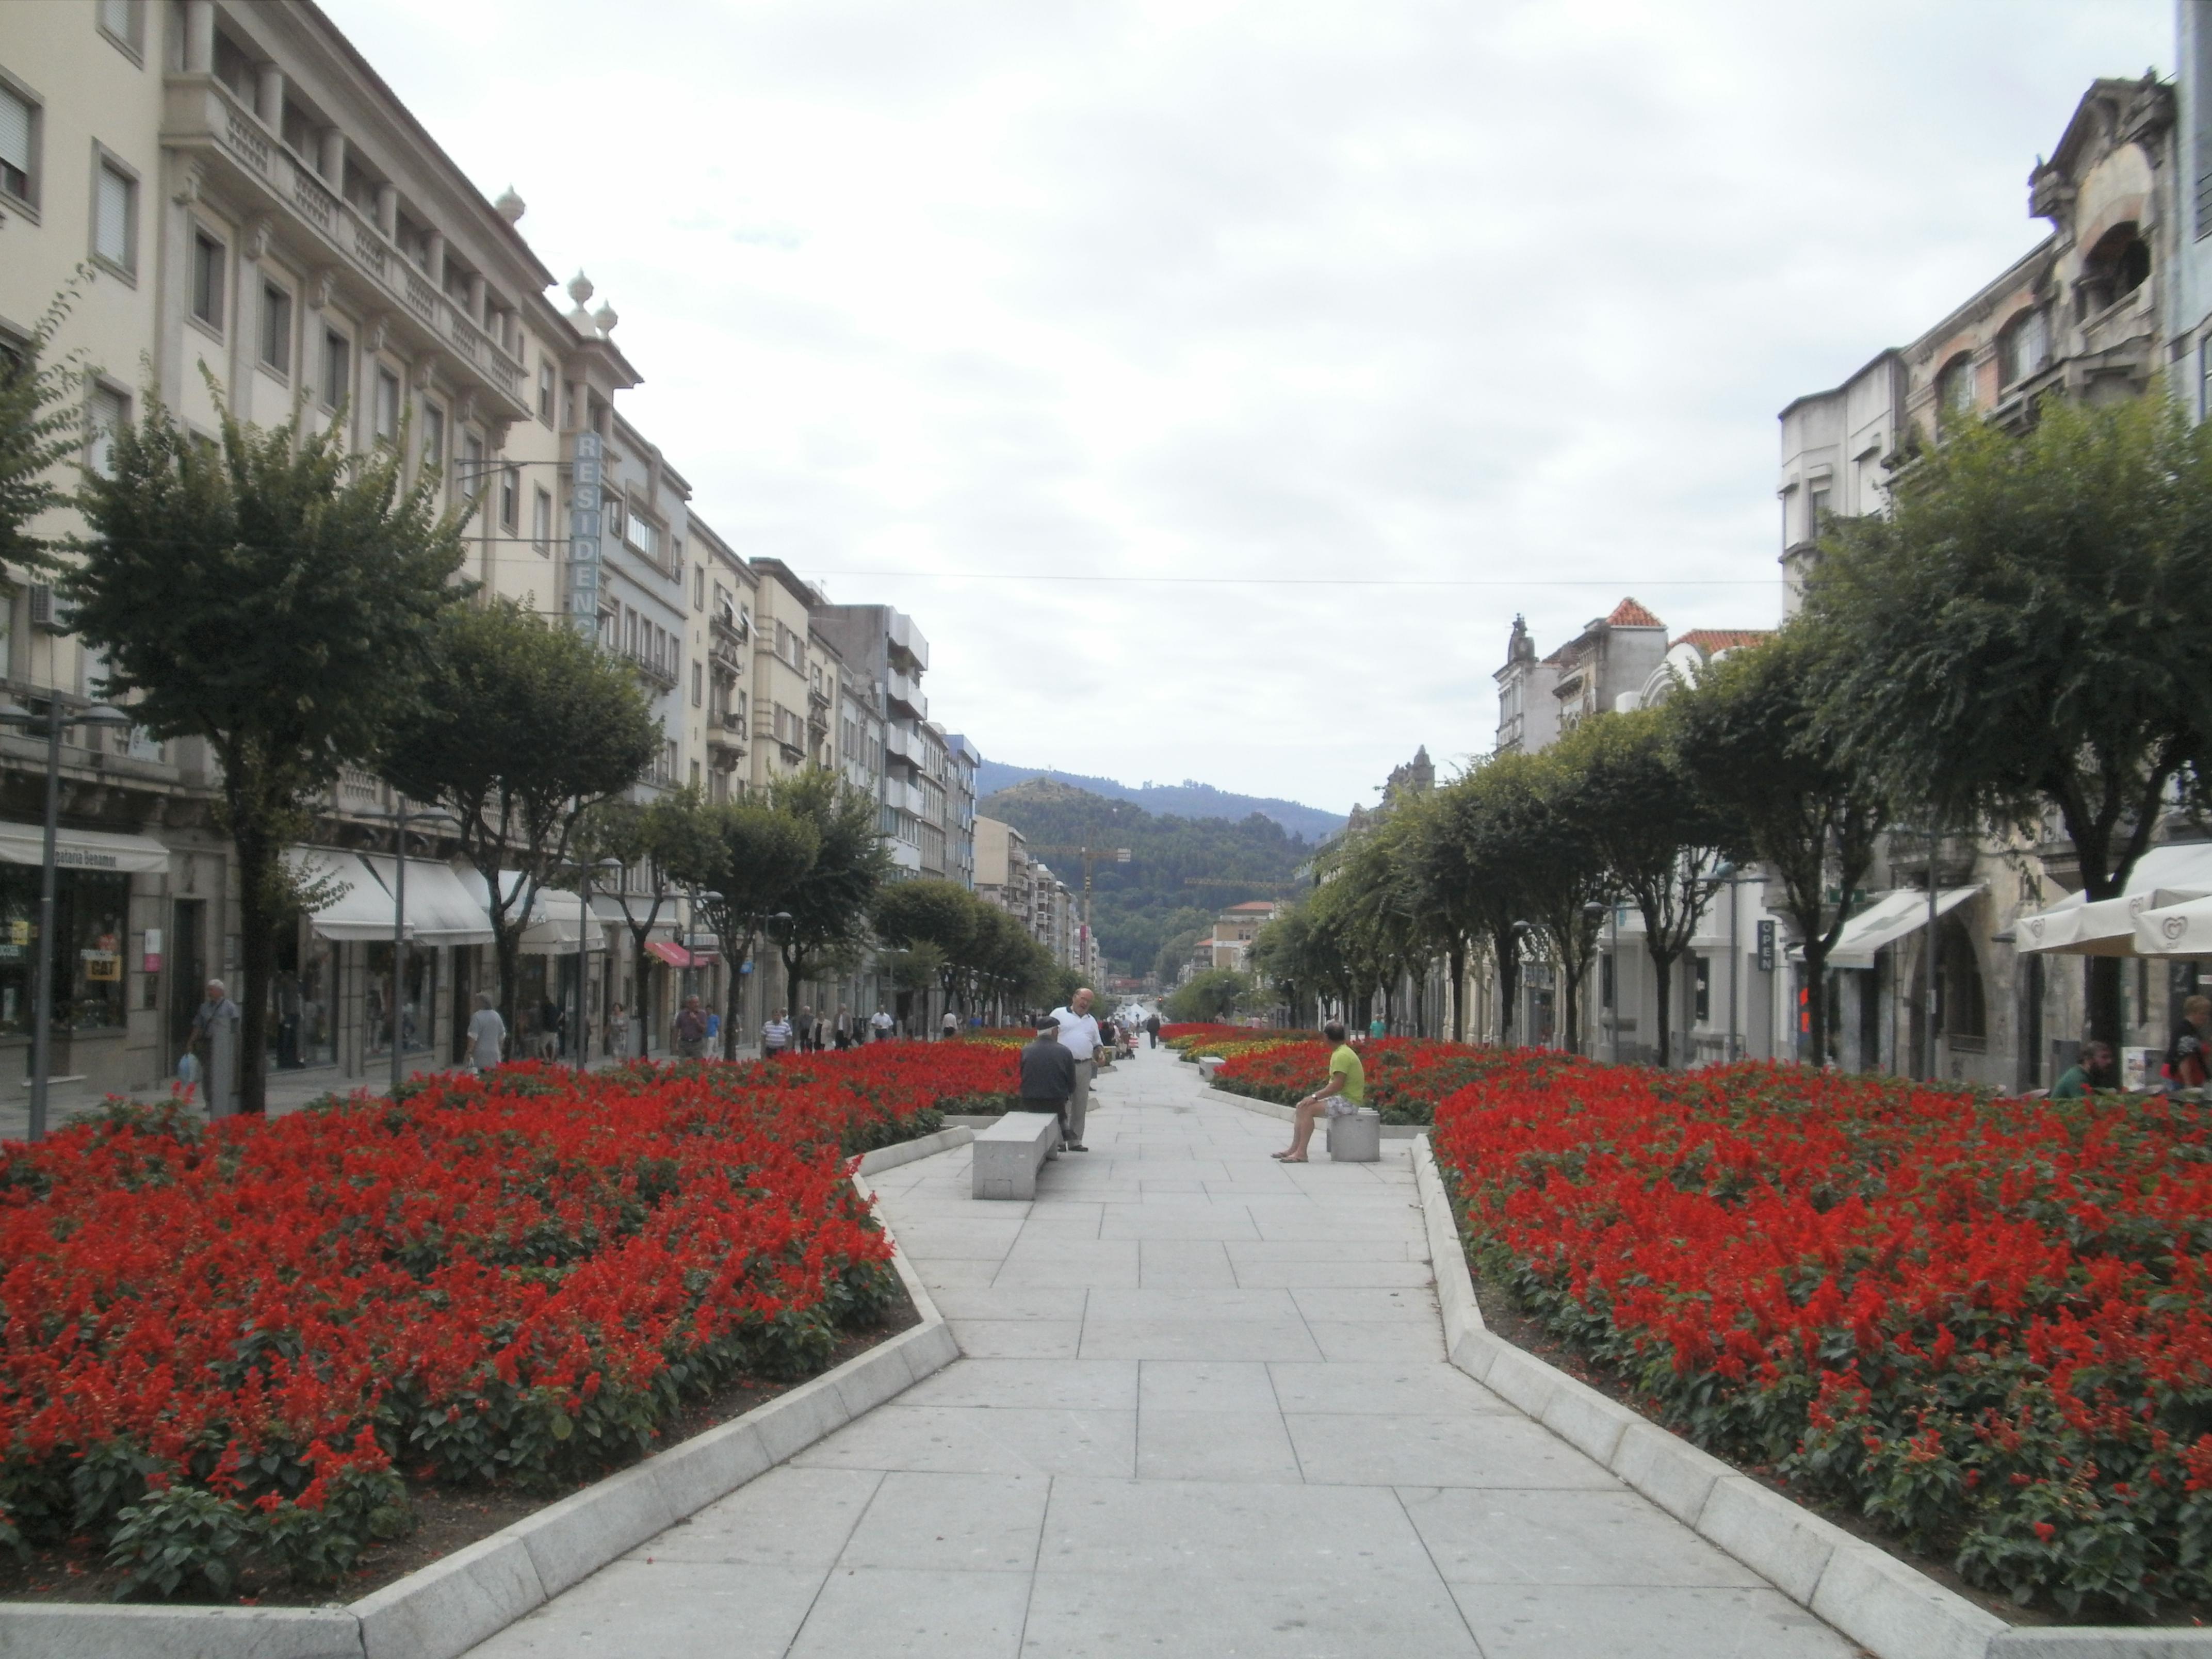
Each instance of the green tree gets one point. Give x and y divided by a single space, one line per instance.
1746 734
2025 630
1208 996
747 868
652 839
41 426
525 726
1538 826
943 915
830 906
1658 833
277 598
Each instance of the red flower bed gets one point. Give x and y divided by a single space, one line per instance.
1405 1076
224 1345
1982 1322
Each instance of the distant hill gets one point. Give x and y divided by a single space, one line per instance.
1189 798
1148 902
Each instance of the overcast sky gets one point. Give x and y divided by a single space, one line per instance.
1213 383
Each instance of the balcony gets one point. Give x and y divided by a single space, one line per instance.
201 119
725 643
725 750
906 697
653 670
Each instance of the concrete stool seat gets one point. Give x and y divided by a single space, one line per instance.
1357 1138
1009 1154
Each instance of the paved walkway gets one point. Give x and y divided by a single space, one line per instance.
1204 1409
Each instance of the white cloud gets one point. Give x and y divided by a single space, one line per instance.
1505 294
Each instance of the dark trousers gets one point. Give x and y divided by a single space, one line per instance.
1057 1108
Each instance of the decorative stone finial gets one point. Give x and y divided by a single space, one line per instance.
579 288
510 206
604 318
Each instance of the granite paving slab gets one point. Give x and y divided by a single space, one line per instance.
1203 1407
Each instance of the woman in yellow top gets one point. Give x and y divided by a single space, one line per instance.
1345 1093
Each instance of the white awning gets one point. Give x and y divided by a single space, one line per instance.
83 849
2182 930
440 910
1886 921
555 917
2079 926
360 910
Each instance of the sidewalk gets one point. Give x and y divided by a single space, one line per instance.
1203 1409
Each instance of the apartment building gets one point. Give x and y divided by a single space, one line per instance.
796 671
2111 295
258 212
888 654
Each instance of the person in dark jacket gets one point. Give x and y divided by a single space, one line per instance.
1047 1076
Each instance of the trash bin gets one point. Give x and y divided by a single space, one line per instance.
1357 1138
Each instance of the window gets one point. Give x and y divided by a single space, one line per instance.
337 367
472 467
1959 983
629 631
541 519
2116 267
665 772
699 587
695 774
2023 346
109 411
208 259
545 390
1816 509
276 328
120 20
434 438
387 406
19 146
510 499
1704 982
642 534
1955 387
698 685
115 218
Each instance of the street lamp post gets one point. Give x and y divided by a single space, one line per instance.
400 816
50 724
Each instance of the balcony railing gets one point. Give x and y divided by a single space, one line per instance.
203 114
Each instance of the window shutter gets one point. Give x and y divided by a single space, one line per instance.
15 131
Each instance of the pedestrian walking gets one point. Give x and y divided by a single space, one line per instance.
2188 1056
775 1037
487 1036
1153 1029
842 1032
1377 1028
879 1023
1047 1076
691 1030
950 1026
1079 1032
1344 1094
215 1040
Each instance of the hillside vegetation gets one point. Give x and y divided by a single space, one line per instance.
1186 800
1148 903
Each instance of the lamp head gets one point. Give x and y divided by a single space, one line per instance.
99 714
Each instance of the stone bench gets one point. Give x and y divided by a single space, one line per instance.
1009 1154
1357 1138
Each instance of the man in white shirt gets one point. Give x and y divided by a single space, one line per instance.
1081 1033
775 1037
880 1022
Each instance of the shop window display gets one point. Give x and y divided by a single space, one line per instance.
92 911
418 999
303 1005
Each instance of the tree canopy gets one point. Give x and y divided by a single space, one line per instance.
278 598
747 866
524 727
2025 629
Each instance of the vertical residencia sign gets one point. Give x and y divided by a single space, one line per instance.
584 477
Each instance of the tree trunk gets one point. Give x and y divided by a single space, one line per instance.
2101 991
1662 976
733 991
507 951
1458 960
1569 998
641 977
1816 1002
257 860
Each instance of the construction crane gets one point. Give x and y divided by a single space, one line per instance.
1090 855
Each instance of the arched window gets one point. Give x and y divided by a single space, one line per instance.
1954 386
2116 267
1965 1009
2023 346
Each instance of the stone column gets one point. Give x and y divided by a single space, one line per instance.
332 161
199 37
387 210
269 98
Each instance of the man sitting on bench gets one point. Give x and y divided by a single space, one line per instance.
1048 1077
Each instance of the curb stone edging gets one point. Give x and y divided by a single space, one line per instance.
1889 1608
442 1610
1268 1109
